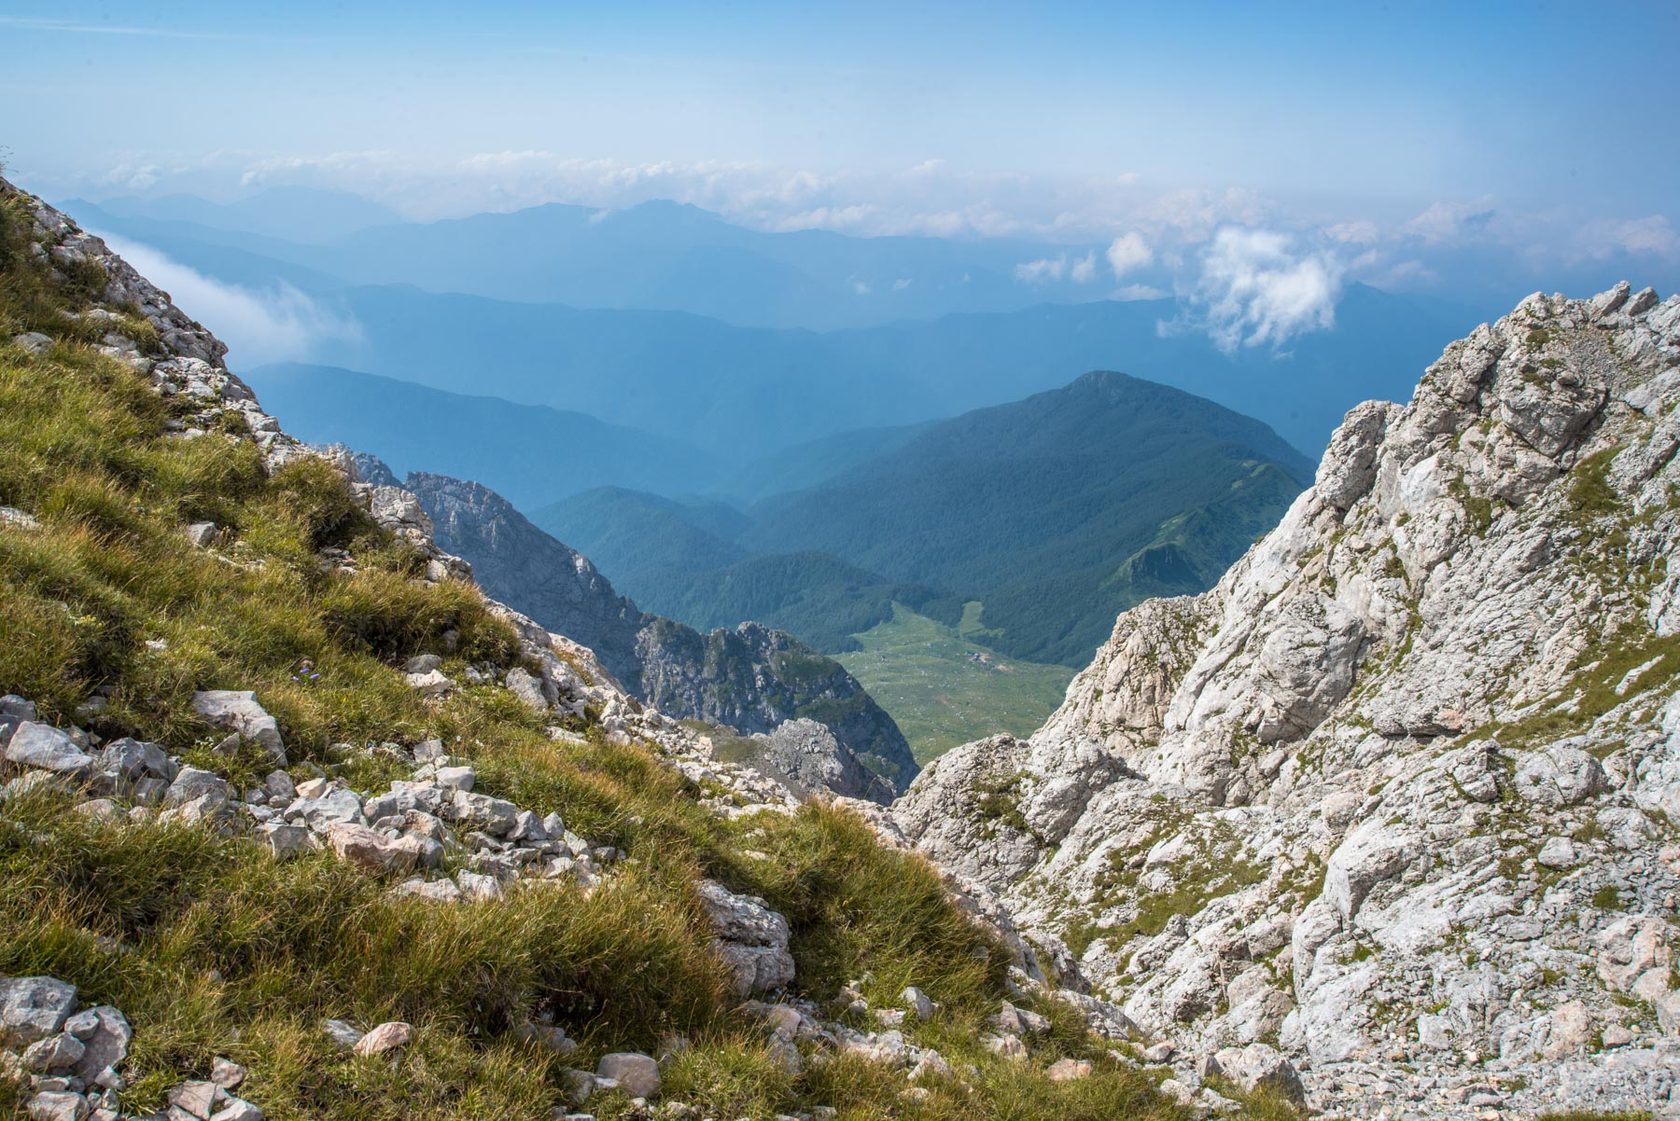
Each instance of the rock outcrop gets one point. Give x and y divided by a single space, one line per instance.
751 679
1402 788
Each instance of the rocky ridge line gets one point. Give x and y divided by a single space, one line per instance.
1400 795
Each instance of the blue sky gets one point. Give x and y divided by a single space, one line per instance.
1541 129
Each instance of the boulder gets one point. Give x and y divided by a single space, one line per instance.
131 760
751 938
238 711
195 1099
285 841
1260 1067
58 1105
456 778
1012 1020
344 1034
331 807
480 811
33 1008
634 1073
438 891
1371 853
371 850
432 683
1559 775
105 1035
527 688
54 1054
46 748
1068 1070
386 1037
237 1109
191 784
226 1073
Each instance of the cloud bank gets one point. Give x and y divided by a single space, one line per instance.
277 325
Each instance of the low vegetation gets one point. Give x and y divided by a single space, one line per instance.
944 689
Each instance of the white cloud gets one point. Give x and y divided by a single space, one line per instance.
1353 233
1041 271
1451 221
1653 235
1129 252
1255 290
1138 292
1080 270
280 324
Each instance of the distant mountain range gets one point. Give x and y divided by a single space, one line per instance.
677 367
812 431
529 453
656 255
1054 512
742 395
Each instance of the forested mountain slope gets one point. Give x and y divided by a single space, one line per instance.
1054 512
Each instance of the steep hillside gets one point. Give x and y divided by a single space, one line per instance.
530 453
297 824
749 678
1399 794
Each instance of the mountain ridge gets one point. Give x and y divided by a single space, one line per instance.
1397 789
1034 508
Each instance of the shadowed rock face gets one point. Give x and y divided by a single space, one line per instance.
752 678
531 571
1404 783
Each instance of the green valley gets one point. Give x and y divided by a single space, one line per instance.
943 688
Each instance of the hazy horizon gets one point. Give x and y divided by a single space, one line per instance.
1298 149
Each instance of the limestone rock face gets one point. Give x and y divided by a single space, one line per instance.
1402 785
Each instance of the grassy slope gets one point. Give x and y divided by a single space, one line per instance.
924 674
212 948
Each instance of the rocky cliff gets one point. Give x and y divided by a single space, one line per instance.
750 679
1401 794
